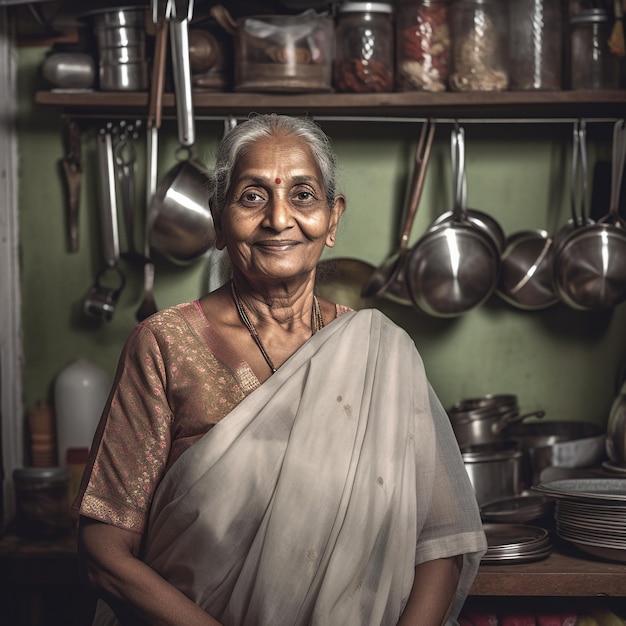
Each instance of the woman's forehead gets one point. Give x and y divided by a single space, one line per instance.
283 154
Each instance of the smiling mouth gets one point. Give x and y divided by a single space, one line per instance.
279 245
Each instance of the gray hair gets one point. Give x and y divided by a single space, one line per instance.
256 127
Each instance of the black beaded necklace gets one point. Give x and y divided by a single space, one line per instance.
317 323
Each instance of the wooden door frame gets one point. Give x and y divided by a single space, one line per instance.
10 296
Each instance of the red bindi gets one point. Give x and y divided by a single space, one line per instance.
277 181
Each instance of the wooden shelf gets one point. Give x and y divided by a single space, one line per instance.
565 572
552 104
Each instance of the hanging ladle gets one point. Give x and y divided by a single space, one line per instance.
391 272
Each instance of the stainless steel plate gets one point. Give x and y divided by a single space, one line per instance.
586 489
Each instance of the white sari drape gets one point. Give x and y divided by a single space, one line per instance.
313 500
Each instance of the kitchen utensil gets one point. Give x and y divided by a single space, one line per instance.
526 271
579 186
494 469
180 223
479 219
590 265
179 18
121 40
454 266
616 429
341 280
72 170
148 304
521 509
590 513
102 298
515 543
582 452
499 402
485 425
560 443
125 158
393 266
69 70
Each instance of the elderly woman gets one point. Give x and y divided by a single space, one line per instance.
267 457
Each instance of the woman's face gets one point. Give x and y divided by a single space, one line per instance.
276 221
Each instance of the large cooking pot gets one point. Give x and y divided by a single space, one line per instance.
494 469
180 222
557 444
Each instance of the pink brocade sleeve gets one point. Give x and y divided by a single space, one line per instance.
132 443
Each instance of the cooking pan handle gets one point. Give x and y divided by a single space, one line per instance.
457 149
422 156
108 193
512 418
619 161
181 65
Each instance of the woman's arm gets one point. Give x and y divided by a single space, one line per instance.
433 592
134 591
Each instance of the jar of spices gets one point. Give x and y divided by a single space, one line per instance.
593 65
535 44
42 509
479 30
364 48
422 45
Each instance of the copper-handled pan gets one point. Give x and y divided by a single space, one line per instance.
388 279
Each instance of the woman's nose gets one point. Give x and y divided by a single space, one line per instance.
278 214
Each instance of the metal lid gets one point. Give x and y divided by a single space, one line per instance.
32 474
365 7
589 16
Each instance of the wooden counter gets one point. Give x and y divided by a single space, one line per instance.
40 580
566 572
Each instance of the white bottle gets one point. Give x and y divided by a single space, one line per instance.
80 392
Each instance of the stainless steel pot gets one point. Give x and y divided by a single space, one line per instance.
494 469
485 425
558 444
121 39
180 222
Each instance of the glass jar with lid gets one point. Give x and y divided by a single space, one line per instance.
364 48
423 45
480 34
535 44
592 64
42 508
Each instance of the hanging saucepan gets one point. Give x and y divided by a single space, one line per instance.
579 187
180 222
590 265
388 279
454 266
527 263
479 219
526 271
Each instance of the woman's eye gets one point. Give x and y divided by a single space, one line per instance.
303 196
251 196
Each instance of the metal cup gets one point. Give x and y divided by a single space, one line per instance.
101 299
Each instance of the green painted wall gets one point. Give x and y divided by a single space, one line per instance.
561 360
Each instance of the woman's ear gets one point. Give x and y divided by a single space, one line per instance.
335 215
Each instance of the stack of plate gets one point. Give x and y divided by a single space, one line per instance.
590 513
515 543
